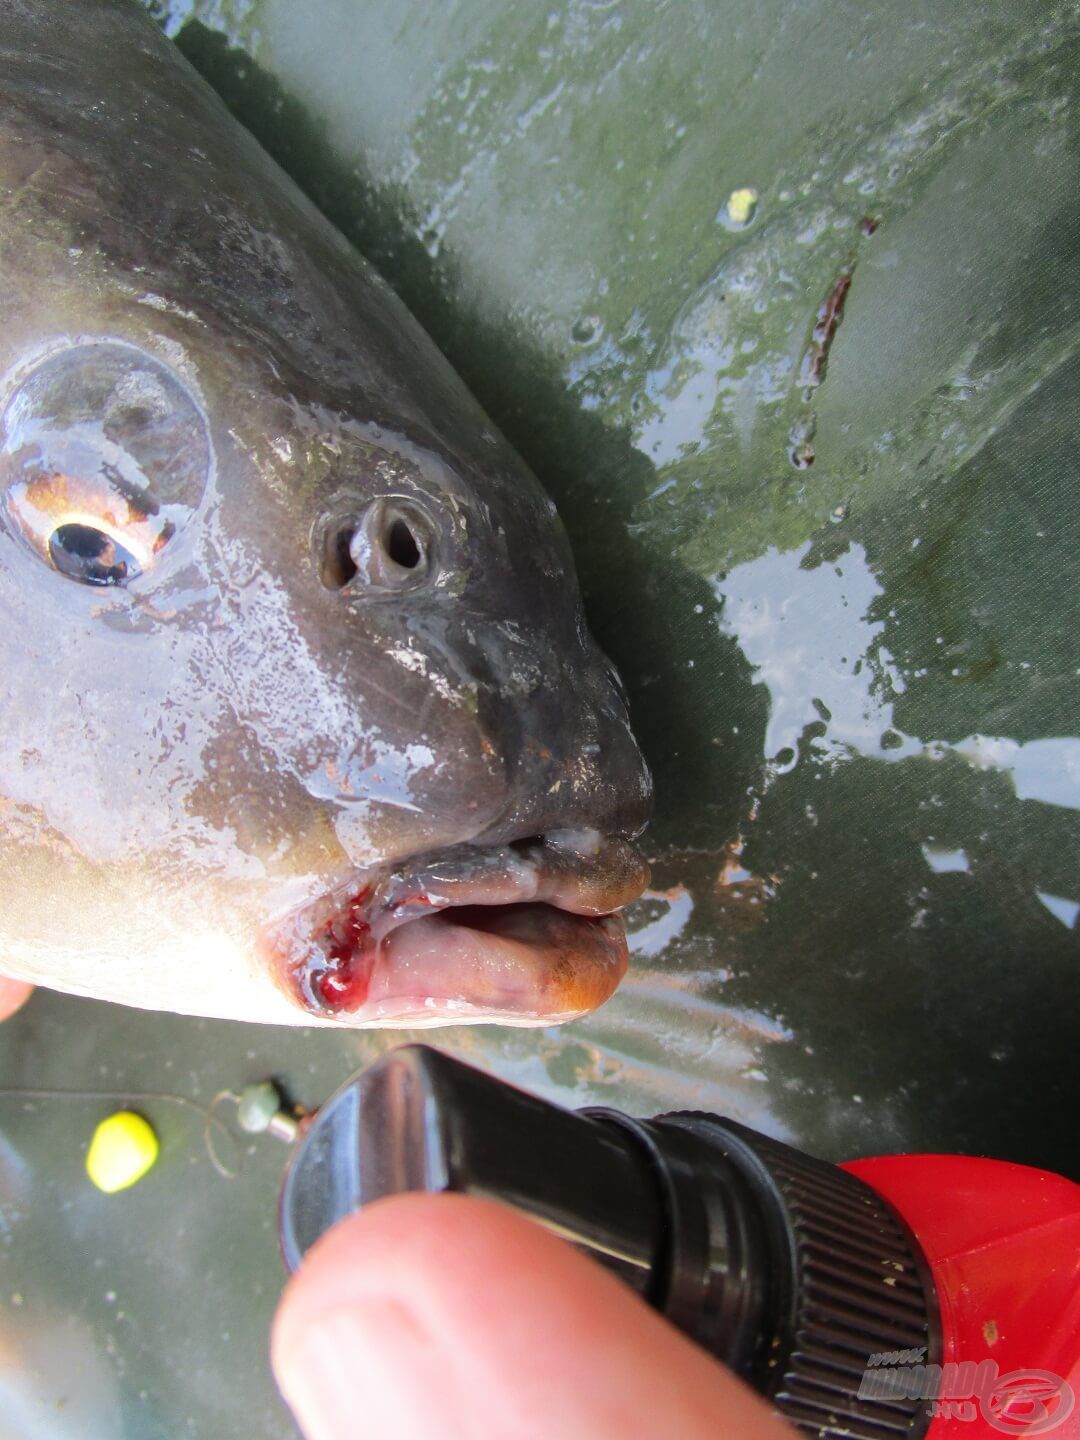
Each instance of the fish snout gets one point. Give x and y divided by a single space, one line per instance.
489 712
485 743
573 760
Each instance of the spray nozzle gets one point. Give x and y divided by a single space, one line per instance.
419 1120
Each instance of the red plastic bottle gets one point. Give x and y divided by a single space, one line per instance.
1003 1245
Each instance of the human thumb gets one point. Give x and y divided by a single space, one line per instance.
447 1316
13 995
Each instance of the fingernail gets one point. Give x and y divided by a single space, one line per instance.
378 1372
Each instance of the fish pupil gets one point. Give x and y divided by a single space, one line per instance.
89 555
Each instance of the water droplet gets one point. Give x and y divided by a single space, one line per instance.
802 456
801 452
585 330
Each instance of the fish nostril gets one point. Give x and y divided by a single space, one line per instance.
389 547
400 544
338 567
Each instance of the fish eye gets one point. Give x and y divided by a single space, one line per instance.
387 548
104 457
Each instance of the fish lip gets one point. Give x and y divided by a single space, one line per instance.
323 951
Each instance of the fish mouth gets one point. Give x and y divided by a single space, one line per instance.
523 933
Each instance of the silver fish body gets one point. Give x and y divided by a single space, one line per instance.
290 641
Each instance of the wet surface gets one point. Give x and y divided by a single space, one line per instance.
781 309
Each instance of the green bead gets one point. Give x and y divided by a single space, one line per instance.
257 1107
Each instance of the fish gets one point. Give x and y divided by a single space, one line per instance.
301 721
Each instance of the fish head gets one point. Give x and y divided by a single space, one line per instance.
302 718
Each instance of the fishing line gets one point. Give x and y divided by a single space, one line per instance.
210 1117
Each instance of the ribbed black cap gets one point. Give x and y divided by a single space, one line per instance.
847 1284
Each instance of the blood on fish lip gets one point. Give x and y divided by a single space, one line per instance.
344 940
349 948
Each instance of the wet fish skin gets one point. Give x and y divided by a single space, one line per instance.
230 732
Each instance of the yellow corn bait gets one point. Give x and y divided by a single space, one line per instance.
741 205
123 1149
